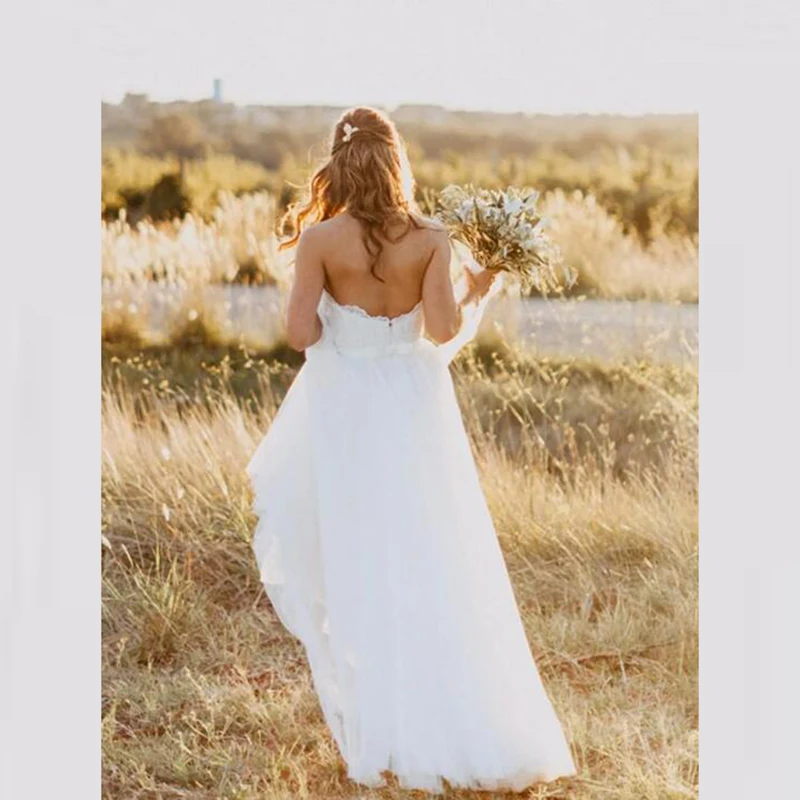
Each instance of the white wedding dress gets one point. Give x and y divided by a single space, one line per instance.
378 553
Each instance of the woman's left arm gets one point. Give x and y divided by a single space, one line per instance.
303 325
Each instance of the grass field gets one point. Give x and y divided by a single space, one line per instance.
238 244
589 468
591 476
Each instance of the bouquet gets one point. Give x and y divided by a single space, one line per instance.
505 232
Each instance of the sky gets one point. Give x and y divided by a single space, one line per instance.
548 56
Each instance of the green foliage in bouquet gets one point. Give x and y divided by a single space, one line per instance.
505 231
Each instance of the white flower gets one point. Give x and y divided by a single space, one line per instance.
531 200
512 205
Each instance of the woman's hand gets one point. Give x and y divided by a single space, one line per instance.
478 284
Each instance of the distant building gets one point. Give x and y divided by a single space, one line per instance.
217 90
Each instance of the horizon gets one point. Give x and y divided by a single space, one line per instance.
509 57
390 108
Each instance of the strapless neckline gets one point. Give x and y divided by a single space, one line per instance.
362 313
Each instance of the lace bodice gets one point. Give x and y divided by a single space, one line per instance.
352 331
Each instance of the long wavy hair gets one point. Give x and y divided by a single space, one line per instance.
367 174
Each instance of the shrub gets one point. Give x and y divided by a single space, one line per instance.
121 325
168 199
197 325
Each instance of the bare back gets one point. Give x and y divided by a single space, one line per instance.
402 266
415 269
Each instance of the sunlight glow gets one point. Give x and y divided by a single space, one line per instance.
544 56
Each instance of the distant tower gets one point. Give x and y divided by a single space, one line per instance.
217 90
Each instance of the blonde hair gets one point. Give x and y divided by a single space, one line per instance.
367 174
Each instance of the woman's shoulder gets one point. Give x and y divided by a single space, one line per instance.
329 229
429 223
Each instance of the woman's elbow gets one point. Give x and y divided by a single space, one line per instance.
296 342
301 337
443 332
299 342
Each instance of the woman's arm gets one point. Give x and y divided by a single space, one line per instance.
303 326
442 314
442 310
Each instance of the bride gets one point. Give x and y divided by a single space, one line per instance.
374 541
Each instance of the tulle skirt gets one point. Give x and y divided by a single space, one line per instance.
378 553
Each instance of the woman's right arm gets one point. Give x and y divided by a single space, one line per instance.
303 326
443 312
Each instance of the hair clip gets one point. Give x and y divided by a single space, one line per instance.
349 130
